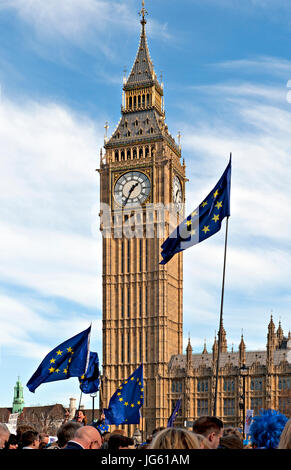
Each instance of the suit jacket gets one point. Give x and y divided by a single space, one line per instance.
74 445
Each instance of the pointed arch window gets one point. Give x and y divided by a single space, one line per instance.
116 156
140 152
134 153
128 154
122 155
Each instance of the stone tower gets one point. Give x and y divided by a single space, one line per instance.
18 400
140 172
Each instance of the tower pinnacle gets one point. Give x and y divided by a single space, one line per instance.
143 12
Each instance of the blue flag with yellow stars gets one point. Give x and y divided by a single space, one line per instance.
69 359
89 382
126 402
203 222
174 413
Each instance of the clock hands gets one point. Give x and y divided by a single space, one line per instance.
130 191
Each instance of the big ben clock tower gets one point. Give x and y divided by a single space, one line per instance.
140 172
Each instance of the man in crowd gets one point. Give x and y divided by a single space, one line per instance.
211 428
66 433
30 440
86 437
4 435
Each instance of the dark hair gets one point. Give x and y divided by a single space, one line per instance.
66 432
207 424
11 440
117 440
28 438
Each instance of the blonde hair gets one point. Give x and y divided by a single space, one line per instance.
203 441
285 439
175 438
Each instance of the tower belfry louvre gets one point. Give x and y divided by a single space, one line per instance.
142 300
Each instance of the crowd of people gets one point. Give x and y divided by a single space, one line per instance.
208 432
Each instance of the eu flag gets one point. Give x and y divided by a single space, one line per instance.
69 359
126 402
174 413
203 222
89 382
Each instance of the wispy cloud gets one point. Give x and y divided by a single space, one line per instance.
258 259
50 247
86 23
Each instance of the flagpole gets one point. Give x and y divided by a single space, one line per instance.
80 401
220 320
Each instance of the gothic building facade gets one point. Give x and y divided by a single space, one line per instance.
247 380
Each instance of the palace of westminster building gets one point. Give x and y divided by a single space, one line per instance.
143 300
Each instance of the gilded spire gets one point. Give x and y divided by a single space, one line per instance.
143 12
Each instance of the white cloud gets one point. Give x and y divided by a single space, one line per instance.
50 246
82 22
258 257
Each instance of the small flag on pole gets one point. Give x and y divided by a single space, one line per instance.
203 222
125 403
69 359
89 382
172 418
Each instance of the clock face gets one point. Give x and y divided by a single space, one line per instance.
132 189
177 193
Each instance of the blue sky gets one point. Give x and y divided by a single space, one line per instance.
226 66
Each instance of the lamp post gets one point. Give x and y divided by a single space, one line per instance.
93 395
243 372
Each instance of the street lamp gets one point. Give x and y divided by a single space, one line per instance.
243 372
93 395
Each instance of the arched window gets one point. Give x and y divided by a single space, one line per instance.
134 101
116 156
141 152
152 151
146 152
138 100
143 100
148 99
134 154
122 155
128 154
130 101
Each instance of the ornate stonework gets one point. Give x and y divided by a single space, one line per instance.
142 300
267 379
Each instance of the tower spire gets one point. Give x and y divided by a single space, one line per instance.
143 12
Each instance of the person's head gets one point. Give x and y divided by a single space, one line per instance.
12 442
4 435
30 439
231 430
285 439
231 441
81 417
118 441
88 437
21 429
211 428
67 432
174 438
120 432
43 439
